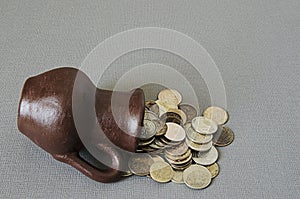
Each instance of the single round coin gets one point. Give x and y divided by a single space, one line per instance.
196 136
161 171
217 114
197 177
148 130
175 132
224 137
214 170
190 111
204 125
170 96
207 158
164 107
140 164
178 177
177 150
198 147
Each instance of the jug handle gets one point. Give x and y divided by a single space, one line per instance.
111 174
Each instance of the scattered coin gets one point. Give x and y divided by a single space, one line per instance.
161 171
207 158
204 125
197 177
190 111
140 164
178 177
214 170
175 132
195 136
176 136
223 137
170 96
198 147
217 114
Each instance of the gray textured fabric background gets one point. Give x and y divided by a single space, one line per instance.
256 45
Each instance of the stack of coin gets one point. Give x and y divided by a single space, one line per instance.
181 145
179 157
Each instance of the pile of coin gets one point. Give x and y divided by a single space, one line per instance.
178 145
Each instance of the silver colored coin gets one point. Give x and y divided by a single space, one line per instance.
170 96
217 114
190 111
197 177
140 164
178 158
148 130
180 162
175 132
196 136
207 158
155 109
198 147
177 150
204 125
149 115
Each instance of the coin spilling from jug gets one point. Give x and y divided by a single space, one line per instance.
177 144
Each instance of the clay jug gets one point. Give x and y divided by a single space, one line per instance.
49 103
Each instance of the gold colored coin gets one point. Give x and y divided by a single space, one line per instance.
162 131
161 171
223 137
140 164
178 177
214 170
157 158
180 113
197 177
127 173
217 114
149 103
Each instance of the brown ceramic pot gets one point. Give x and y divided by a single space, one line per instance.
52 112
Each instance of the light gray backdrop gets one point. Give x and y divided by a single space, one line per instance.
256 45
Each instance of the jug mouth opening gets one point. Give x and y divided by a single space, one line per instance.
22 96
